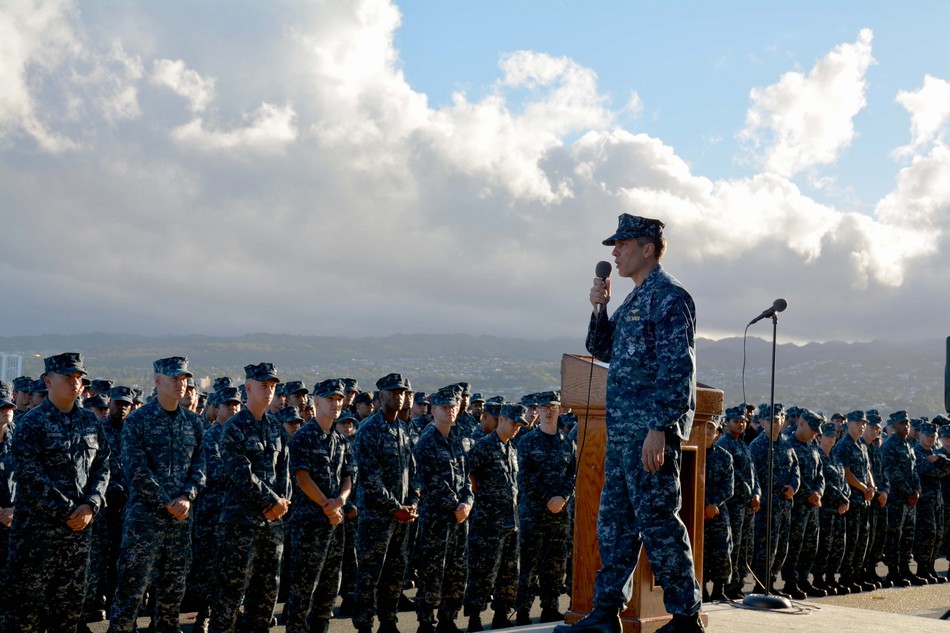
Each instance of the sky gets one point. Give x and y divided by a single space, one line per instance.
364 167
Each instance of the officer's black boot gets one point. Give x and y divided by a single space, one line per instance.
793 591
683 624
523 617
387 627
811 590
600 620
717 595
897 578
914 579
500 619
549 614
319 625
475 623
447 624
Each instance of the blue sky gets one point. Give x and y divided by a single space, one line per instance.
452 167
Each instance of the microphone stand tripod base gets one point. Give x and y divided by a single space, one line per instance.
759 601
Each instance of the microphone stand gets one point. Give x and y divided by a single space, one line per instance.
768 601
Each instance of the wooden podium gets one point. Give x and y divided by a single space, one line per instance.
645 612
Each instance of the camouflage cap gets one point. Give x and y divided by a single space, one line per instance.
569 419
6 394
837 416
351 385
329 387
529 400
944 430
828 428
632 226
95 402
67 363
122 394
940 420
928 428
172 366
446 396
296 386
101 385
872 412
898 417
793 412
279 390
857 416
39 385
547 397
498 399
492 408
227 394
915 423
191 383
221 382
393 382
420 397
261 372
466 389
477 397
139 397
873 419
514 412
364 397
346 418
812 419
288 415
23 383
735 413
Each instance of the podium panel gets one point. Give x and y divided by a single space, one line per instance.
645 611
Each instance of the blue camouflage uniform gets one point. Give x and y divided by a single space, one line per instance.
7 492
162 461
440 542
877 513
62 462
316 544
717 533
803 532
387 481
831 528
651 385
944 431
929 529
785 472
546 468
899 464
853 455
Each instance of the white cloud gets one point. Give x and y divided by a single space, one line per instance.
267 129
929 109
185 82
806 120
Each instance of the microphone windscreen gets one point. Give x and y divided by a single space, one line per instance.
603 270
780 305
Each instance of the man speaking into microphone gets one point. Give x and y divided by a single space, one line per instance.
651 400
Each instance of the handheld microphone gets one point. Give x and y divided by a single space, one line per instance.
778 305
602 272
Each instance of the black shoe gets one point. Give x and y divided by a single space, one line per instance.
867 586
426 627
500 620
523 617
364 628
896 578
734 593
600 620
202 620
914 579
811 590
683 624
550 615
793 591
387 627
318 625
82 627
447 625
347 607
475 624
406 603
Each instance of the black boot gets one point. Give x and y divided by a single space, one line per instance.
387 627
793 591
600 620
425 627
683 624
523 617
475 623
201 620
347 607
500 619
718 594
447 624
810 590
914 579
549 614
896 578
319 625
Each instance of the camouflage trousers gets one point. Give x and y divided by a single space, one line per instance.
99 560
638 507
350 564
945 543
717 547
382 549
47 573
492 569
774 552
249 568
741 529
856 540
204 570
543 546
440 550
830 542
901 521
317 554
929 529
802 542
155 551
877 533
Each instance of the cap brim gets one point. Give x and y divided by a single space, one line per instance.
123 399
174 373
523 421
617 237
328 394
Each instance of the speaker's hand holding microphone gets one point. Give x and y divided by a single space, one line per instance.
600 292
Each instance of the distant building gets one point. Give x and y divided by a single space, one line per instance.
11 366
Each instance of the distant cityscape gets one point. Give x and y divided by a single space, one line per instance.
827 377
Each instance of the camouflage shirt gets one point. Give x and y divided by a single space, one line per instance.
719 476
256 458
493 465
649 343
62 462
877 465
7 470
898 461
837 490
211 499
853 454
746 484
326 457
809 463
385 466
785 471
931 474
161 457
442 473
546 468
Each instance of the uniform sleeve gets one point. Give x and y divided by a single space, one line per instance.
566 489
719 477
240 471
97 481
32 480
795 472
282 470
600 336
374 491
196 480
432 477
142 482
676 366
